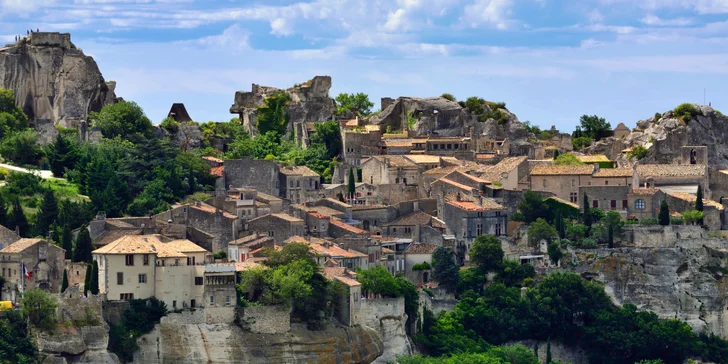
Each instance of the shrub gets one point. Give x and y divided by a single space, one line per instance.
474 104
421 266
517 216
649 221
658 116
448 97
639 152
567 160
496 105
677 221
220 255
499 116
686 112
170 125
39 308
581 142
3 173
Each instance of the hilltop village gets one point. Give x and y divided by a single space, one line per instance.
239 241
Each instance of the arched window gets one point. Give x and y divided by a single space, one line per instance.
639 204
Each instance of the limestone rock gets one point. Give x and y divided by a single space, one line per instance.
54 82
67 341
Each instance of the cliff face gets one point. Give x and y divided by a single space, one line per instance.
54 82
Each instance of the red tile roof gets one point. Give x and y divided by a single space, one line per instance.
217 171
488 204
347 227
319 215
211 209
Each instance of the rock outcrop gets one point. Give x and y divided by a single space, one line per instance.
310 103
54 82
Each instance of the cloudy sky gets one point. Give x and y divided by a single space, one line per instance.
549 60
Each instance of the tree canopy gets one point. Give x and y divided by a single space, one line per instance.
595 127
357 103
486 253
124 119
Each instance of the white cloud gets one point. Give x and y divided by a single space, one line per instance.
491 13
281 27
22 7
651 19
699 6
595 16
233 37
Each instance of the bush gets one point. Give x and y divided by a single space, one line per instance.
21 147
658 116
421 266
677 221
3 174
567 160
220 255
639 152
448 97
581 142
170 125
649 221
40 309
686 112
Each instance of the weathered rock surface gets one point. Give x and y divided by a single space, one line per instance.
559 351
310 103
686 282
54 82
224 343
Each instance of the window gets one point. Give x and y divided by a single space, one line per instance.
190 260
544 182
573 183
119 278
613 204
130 259
404 181
126 296
498 229
480 214
146 259
271 233
396 180
176 261
193 303
212 300
227 300
198 281
639 204
479 229
606 183
394 230
457 146
174 304
595 203
625 204
434 146
142 278
407 230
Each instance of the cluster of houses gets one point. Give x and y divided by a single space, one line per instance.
411 196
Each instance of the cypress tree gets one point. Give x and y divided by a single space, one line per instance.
352 183
61 155
84 246
64 285
67 241
699 202
87 280
191 182
94 281
587 214
610 236
559 224
556 154
47 214
3 213
548 351
17 218
664 216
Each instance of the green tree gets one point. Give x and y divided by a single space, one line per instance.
541 230
580 143
358 103
3 213
21 147
12 117
693 216
559 224
125 119
39 308
567 160
116 196
61 155
699 202
64 283
448 96
586 213
17 219
47 214
87 280
548 351
352 183
554 251
556 154
273 116
664 216
595 127
486 253
94 281
328 134
639 152
84 246
67 241
444 269
532 207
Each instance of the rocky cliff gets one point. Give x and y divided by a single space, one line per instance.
310 103
54 82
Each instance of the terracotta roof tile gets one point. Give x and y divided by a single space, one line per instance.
333 272
217 171
348 281
298 171
347 227
211 209
20 245
423 248
644 191
689 197
213 159
287 217
396 161
398 143
670 170
318 215
488 205
423 158
614 172
150 244
561 170
493 173
455 184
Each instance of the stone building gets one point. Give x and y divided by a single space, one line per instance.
418 253
350 303
714 212
277 226
359 143
262 175
299 183
644 203
240 250
416 226
390 169
607 198
144 266
397 146
425 162
220 280
467 218
508 172
328 254
621 131
561 181
374 217
28 264
7 237
222 225
338 228
461 147
674 177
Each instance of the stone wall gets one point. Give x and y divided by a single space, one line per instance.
76 273
186 317
392 194
112 310
387 317
266 319
62 40
658 236
219 315
559 351
260 174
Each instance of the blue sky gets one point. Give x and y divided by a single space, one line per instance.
549 60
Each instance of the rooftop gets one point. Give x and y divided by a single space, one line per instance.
416 218
562 170
595 158
298 171
20 245
397 161
423 158
398 143
455 184
150 244
212 209
671 170
614 172
217 171
644 191
213 159
689 197
493 173
347 227
563 202
487 205
421 248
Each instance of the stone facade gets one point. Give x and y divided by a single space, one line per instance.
381 170
220 287
223 226
607 198
43 261
7 237
299 184
278 226
266 319
259 174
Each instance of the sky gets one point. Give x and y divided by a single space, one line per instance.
549 60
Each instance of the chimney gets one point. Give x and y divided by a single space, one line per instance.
198 203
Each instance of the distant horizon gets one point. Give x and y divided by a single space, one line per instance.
550 61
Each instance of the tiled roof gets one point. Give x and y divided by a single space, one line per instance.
470 177
644 191
441 171
416 218
422 248
596 158
614 172
333 272
368 207
118 223
318 215
423 158
20 245
150 244
397 161
337 202
110 235
493 173
347 227
287 217
323 210
299 171
261 196
351 282
398 143
255 238
217 171
211 209
387 251
185 246
213 159
689 197
561 170
670 170
321 247
485 156
488 204
455 184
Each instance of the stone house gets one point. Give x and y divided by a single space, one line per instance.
397 146
299 184
462 147
359 143
393 254
144 266
607 198
7 237
374 217
213 162
561 181
644 203
418 253
621 131
468 218
263 175
425 162
712 210
364 193
673 177
328 254
278 226
43 262
432 175
613 177
338 228
317 224
240 250
224 226
508 172
220 280
417 226
390 169
350 303
327 206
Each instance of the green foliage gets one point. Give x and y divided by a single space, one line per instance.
21 147
421 266
16 345
534 129
486 253
61 155
658 116
486 110
12 117
512 273
541 230
328 134
448 96
693 216
17 219
136 321
84 246
94 281
554 252
677 221
47 214
699 203
357 103
586 215
567 160
40 309
87 280
444 268
411 120
170 125
638 152
595 127
124 119
512 354
532 207
664 216
273 116
597 214
649 221
351 183
686 112
580 143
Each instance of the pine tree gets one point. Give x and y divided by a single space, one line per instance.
87 280
47 214
548 351
61 155
94 281
699 202
64 285
67 241
84 246
664 216
17 218
586 212
116 196
352 183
